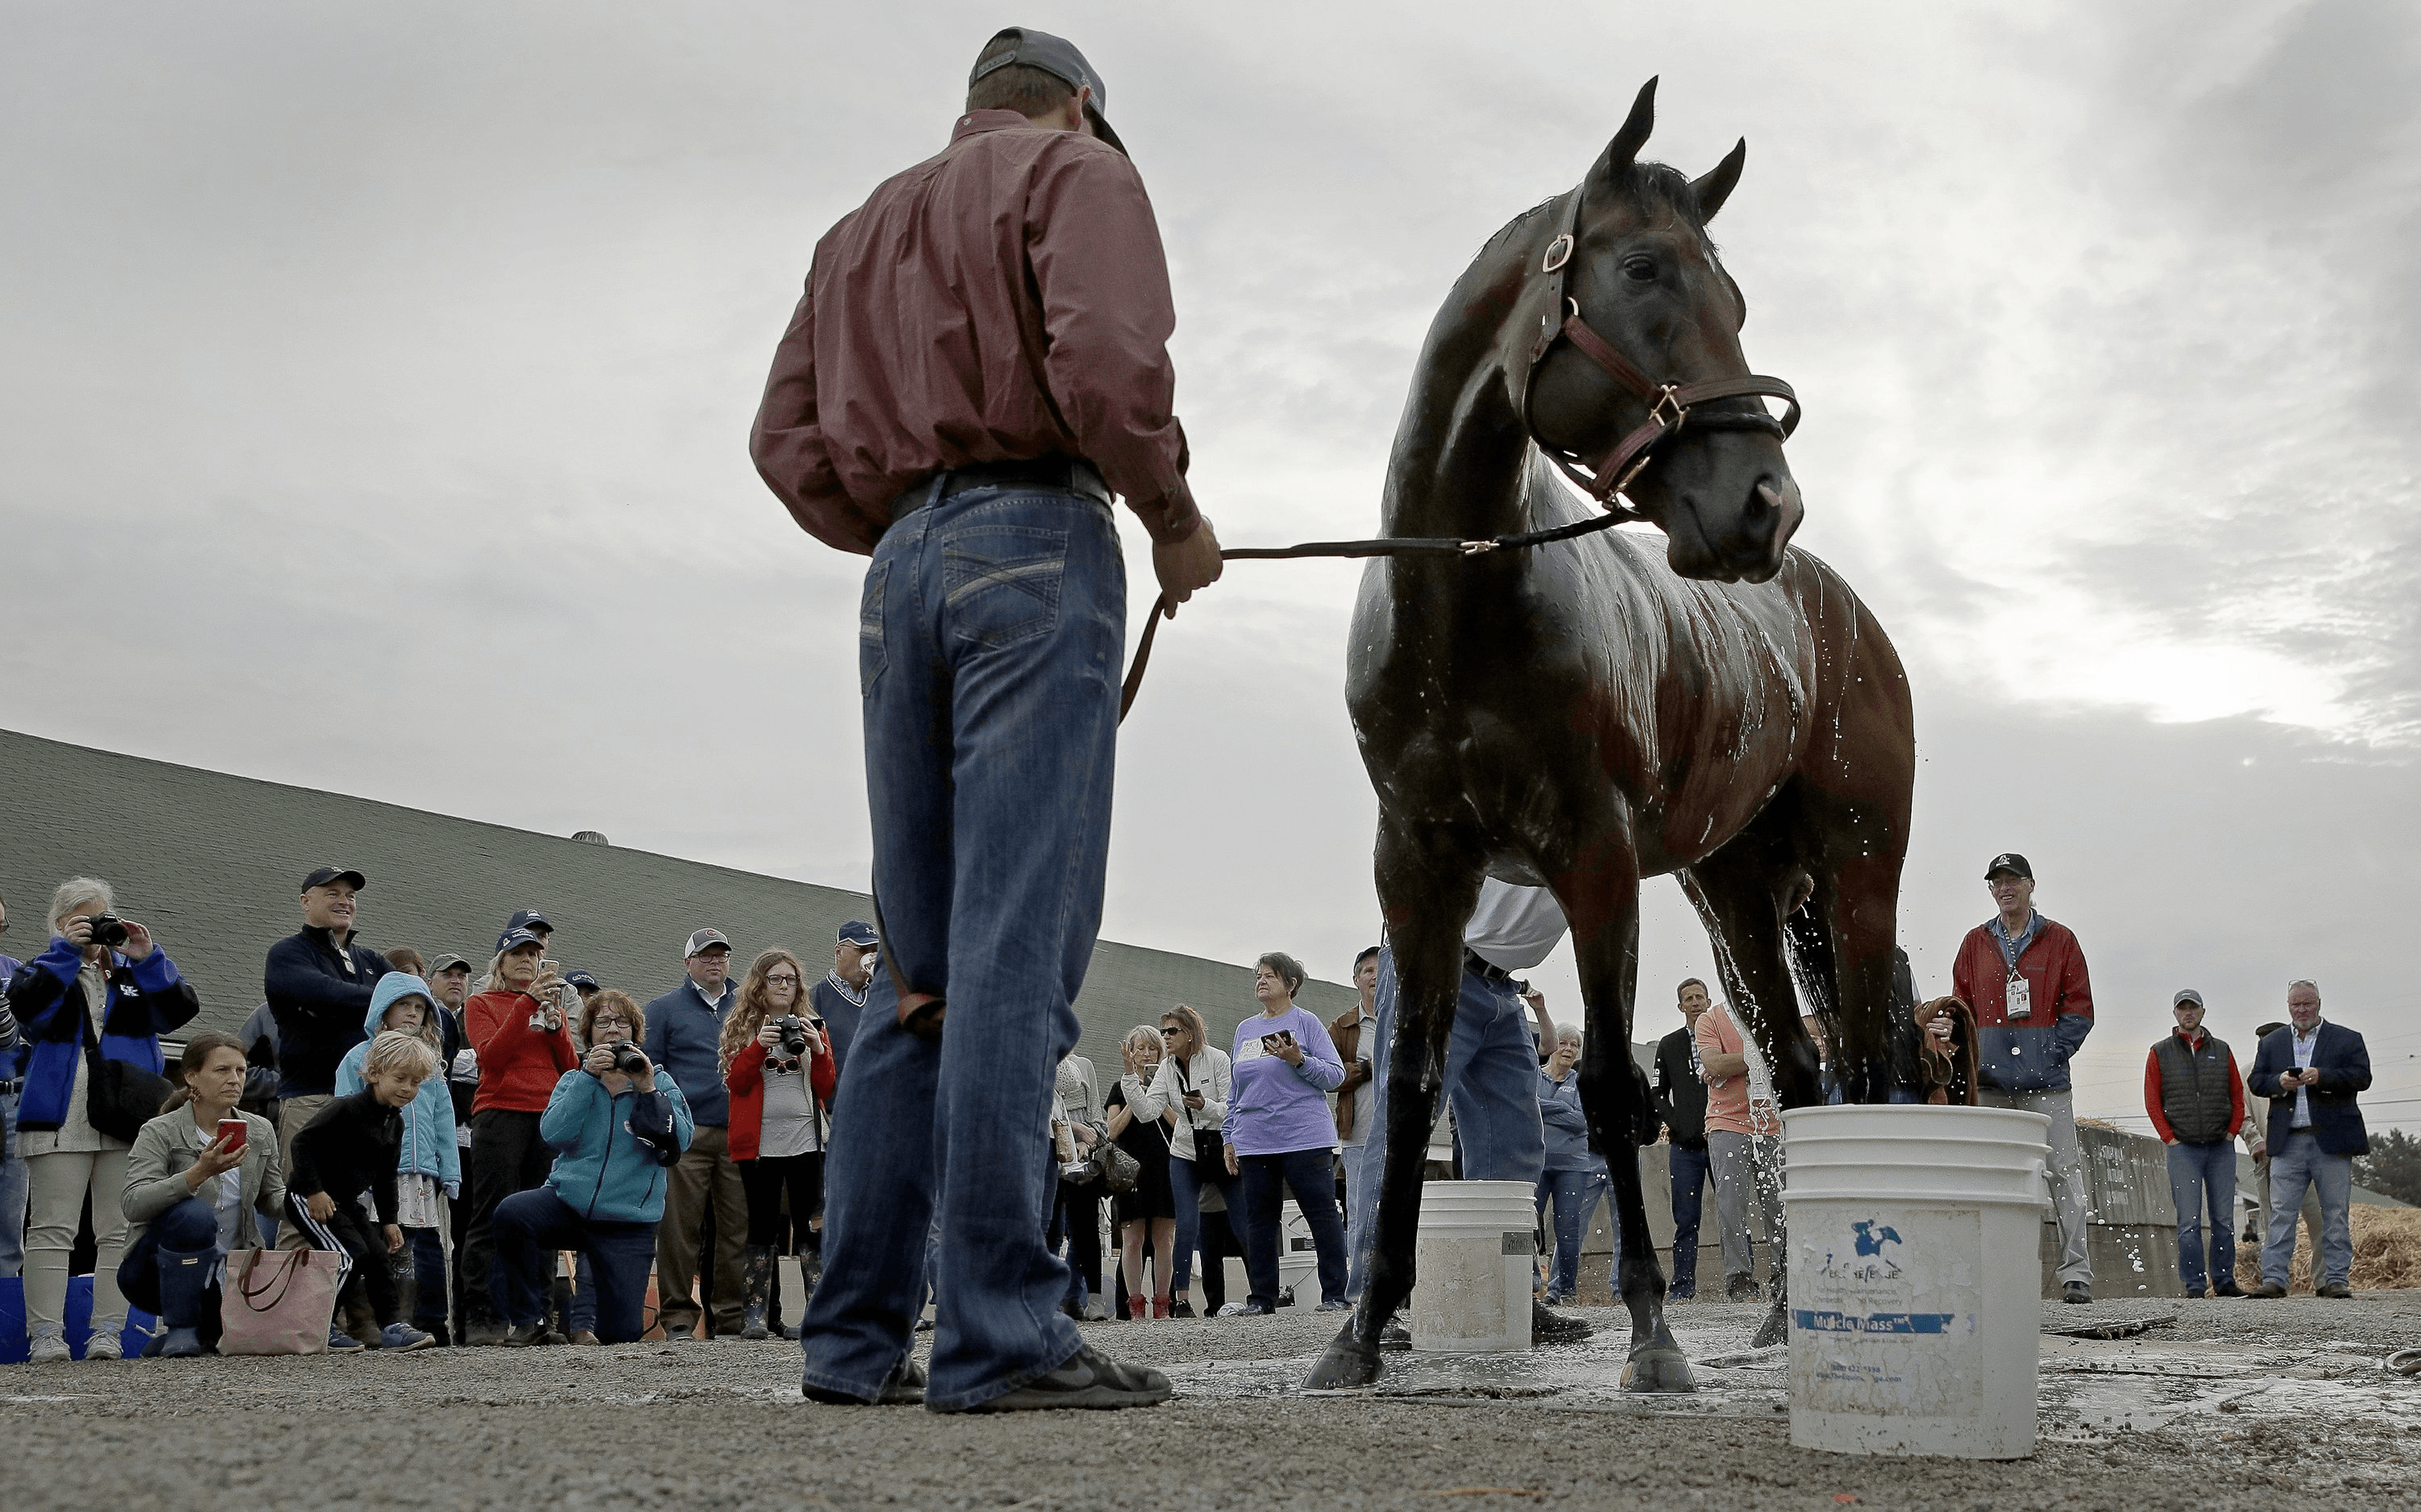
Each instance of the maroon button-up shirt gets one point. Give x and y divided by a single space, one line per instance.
1006 299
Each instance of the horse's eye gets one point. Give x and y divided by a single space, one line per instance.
1640 269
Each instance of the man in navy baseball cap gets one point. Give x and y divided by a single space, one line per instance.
838 999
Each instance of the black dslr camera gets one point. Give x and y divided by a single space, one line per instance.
793 1030
107 929
627 1058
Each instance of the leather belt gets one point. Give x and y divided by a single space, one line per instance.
1478 965
1073 474
9 1089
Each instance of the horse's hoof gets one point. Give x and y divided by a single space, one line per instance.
1347 1362
1658 1367
1774 1330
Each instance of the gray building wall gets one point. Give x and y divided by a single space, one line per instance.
213 864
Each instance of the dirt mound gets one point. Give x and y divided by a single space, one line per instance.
2387 1251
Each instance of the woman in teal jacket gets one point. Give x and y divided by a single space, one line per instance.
428 1167
615 1126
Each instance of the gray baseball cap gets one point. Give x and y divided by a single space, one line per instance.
2186 995
1058 57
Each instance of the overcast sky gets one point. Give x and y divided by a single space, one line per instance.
378 381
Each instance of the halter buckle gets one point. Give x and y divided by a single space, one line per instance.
1559 252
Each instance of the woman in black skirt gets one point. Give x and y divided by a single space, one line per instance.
1150 1210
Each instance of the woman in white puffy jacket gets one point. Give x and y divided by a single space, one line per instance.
1188 1098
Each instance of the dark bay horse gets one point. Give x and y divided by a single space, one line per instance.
1581 714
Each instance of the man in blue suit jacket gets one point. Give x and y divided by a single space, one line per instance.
2311 1071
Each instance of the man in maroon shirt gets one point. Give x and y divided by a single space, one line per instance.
978 365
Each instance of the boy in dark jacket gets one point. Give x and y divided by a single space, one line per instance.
350 1146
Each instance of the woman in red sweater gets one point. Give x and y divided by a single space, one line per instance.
780 1085
524 1048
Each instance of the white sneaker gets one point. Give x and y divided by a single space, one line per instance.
1235 1310
104 1346
49 1347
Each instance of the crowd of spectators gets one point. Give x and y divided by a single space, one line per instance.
518 1155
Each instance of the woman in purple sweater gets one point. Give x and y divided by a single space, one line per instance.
1280 1133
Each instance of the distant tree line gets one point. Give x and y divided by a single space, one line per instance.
2393 1166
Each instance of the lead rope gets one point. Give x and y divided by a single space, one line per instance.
1382 546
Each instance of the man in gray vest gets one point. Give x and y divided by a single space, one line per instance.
2197 1103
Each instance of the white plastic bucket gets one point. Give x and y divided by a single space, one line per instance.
1472 1267
1916 1279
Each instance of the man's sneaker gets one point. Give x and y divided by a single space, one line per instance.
1557 1328
2195 1292
525 1335
480 1332
903 1387
340 1342
1087 1379
49 1347
585 1337
110 1346
404 1336
2268 1289
1183 1308
1096 1310
686 1334
1681 1292
2076 1291
1742 1289
1235 1310
2328 1288
1395 1336
2227 1288
1335 1304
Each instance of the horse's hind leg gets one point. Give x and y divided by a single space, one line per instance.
1600 893
1427 893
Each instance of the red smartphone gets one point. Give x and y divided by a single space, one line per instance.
232 1131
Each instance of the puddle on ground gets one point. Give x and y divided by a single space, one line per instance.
2091 1390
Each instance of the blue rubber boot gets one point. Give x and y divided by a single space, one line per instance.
184 1289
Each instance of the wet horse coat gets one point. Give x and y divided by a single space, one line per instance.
1582 715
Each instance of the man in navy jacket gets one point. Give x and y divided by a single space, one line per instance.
318 983
2312 1072
684 1040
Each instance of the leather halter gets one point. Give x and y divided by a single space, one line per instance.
1670 406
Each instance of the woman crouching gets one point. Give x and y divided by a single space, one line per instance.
194 1180
615 1126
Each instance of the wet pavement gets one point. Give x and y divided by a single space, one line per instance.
2215 1405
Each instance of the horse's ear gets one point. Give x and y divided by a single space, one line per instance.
1623 150
1712 191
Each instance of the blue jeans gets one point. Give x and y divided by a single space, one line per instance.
1491 1081
2298 1164
582 1314
990 637
15 1187
530 1226
189 1227
1690 1174
1575 1194
1185 1183
2200 1176
1262 1182
428 1249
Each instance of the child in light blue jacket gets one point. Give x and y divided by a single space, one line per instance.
428 1169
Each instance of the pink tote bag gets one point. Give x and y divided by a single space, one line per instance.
278 1301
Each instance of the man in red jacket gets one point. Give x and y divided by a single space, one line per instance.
2023 975
2197 1103
978 366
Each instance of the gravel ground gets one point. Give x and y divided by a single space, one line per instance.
2224 1406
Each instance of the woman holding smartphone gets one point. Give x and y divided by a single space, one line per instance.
1280 1134
1189 1099
196 1180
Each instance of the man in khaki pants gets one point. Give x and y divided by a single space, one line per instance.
684 1040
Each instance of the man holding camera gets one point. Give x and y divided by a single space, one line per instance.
319 982
978 366
684 1039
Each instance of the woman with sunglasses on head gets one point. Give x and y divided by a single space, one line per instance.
778 1064
1188 1098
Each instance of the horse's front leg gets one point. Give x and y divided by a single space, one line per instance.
1600 898
1426 900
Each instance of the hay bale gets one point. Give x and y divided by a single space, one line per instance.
2386 1252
